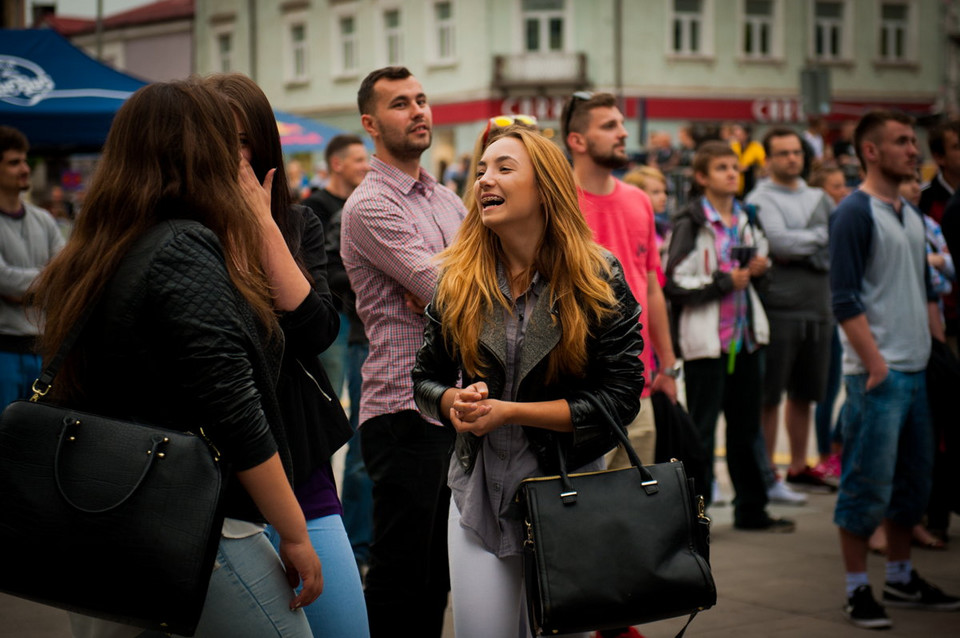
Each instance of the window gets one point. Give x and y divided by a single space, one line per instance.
223 50
894 30
829 35
347 49
297 49
758 28
687 27
543 26
445 44
393 37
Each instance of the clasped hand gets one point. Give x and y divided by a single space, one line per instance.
473 411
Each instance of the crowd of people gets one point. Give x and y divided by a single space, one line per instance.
476 334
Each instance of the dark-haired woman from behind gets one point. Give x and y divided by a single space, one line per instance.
168 253
294 257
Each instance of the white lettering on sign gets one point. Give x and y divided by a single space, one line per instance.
22 82
771 110
540 106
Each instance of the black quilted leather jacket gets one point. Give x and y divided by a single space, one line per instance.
614 374
173 343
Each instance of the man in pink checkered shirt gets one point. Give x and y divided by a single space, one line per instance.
392 226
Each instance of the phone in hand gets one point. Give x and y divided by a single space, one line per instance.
743 254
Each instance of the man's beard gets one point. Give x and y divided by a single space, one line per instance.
608 160
402 148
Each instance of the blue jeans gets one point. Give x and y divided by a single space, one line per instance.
823 415
887 453
249 596
17 374
357 490
334 358
340 610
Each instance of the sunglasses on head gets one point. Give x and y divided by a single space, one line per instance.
579 96
503 121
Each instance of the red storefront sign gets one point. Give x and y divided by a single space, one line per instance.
760 110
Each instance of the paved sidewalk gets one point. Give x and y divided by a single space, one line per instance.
770 585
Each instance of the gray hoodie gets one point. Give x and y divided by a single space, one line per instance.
795 222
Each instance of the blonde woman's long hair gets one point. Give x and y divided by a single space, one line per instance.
574 266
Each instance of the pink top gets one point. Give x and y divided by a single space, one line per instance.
623 223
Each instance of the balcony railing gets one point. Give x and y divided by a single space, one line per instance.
526 71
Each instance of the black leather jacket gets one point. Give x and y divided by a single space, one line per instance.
614 374
173 343
313 418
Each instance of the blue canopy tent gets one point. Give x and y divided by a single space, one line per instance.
60 98
304 135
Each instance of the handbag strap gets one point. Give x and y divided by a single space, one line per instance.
42 384
648 482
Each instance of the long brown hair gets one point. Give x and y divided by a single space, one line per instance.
172 152
574 266
251 106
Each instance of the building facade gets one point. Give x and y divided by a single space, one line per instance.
671 61
153 41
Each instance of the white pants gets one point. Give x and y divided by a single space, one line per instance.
487 591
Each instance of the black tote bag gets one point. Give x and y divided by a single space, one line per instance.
614 548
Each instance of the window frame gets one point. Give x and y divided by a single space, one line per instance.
383 45
775 35
910 33
290 21
434 33
706 32
846 31
338 41
217 32
544 16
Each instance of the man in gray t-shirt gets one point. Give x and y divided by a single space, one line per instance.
887 311
796 297
29 238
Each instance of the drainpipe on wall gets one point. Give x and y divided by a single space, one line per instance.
252 23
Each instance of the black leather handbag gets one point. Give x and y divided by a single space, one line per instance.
105 517
614 548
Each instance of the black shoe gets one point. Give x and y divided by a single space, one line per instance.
767 524
918 594
809 481
865 612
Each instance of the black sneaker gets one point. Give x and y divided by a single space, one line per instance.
918 594
865 612
767 524
809 481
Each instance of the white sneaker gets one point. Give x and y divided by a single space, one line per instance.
781 494
717 497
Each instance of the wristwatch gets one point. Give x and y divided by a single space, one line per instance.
673 372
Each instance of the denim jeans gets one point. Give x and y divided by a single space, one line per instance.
357 490
17 374
340 610
334 358
887 452
823 415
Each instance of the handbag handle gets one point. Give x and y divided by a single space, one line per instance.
152 455
649 484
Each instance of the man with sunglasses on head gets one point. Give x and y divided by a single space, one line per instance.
393 224
622 221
